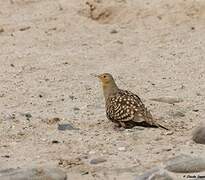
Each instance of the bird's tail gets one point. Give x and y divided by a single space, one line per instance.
161 126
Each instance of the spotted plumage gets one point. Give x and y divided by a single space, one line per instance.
123 107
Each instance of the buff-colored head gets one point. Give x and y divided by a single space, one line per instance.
108 84
106 79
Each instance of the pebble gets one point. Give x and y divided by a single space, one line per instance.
161 175
1 30
24 28
121 148
27 115
52 120
185 164
38 173
64 127
147 174
169 133
168 100
114 31
76 109
55 142
199 135
92 152
154 174
97 161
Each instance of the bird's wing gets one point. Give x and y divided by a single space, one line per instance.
135 104
126 106
116 108
141 112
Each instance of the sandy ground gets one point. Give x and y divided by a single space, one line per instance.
50 48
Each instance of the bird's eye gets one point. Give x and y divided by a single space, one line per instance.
104 76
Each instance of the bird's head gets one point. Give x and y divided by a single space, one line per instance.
108 84
106 78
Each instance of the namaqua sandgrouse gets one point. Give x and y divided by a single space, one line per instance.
123 107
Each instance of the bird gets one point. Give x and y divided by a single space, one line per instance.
123 107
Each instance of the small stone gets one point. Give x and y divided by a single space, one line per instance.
27 115
147 174
5 156
119 42
185 164
199 134
1 30
167 149
97 161
161 175
121 148
92 152
9 116
114 31
69 163
169 133
33 173
55 142
52 120
169 100
76 109
72 97
24 28
64 127
84 173
155 174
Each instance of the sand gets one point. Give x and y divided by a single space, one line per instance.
49 51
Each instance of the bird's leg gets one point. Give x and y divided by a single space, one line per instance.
123 124
118 127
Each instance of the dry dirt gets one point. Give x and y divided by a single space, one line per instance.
49 51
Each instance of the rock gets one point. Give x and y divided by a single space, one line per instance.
24 28
36 173
64 127
1 30
121 148
161 175
155 174
147 174
177 114
27 115
97 161
76 109
168 100
55 142
6 156
72 97
69 163
199 135
9 116
169 133
114 31
185 164
52 120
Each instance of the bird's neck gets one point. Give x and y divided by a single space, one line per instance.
110 89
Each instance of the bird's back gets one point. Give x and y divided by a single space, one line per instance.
125 106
